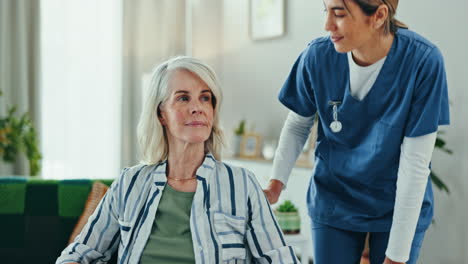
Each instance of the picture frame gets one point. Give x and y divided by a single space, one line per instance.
267 19
250 145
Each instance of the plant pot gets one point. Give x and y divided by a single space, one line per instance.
290 222
6 168
236 141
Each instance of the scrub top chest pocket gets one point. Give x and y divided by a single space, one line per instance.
369 153
230 231
390 137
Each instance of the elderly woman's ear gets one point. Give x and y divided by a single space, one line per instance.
160 117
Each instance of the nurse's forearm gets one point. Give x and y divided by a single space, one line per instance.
293 136
413 174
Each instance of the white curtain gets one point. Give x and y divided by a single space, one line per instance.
154 30
81 46
19 66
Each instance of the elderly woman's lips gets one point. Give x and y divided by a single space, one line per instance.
196 123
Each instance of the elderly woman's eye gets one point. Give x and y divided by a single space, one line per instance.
206 98
183 98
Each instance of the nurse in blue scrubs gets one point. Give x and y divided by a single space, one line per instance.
380 92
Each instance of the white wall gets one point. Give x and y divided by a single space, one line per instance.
206 31
439 21
252 72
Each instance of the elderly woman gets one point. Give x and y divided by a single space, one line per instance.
183 205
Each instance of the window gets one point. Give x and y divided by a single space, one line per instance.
81 66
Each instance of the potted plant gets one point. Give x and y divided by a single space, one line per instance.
288 218
440 145
238 133
17 134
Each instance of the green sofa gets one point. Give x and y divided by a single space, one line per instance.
37 217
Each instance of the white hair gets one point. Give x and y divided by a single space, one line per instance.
151 134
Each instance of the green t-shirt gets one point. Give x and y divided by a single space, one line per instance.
170 241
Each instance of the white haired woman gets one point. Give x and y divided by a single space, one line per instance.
182 205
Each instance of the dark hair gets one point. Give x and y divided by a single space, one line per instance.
369 7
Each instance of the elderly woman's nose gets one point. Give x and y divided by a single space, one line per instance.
196 107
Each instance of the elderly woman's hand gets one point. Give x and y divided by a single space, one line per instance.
273 191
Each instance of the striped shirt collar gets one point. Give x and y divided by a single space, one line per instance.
204 171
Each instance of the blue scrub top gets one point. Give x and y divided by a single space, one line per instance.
354 180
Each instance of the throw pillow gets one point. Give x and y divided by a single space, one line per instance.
97 192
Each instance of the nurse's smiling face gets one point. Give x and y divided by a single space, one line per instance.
350 28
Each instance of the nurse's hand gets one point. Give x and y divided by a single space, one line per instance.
273 191
389 261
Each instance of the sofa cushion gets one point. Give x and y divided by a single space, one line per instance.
41 198
12 194
38 216
72 196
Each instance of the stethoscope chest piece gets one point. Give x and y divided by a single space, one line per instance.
336 125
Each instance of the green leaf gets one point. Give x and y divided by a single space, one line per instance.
439 183
240 130
287 206
440 143
18 135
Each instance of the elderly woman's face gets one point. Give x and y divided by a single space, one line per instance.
187 115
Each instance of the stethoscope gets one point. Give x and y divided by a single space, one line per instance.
336 125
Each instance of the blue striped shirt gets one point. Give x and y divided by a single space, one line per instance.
231 220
